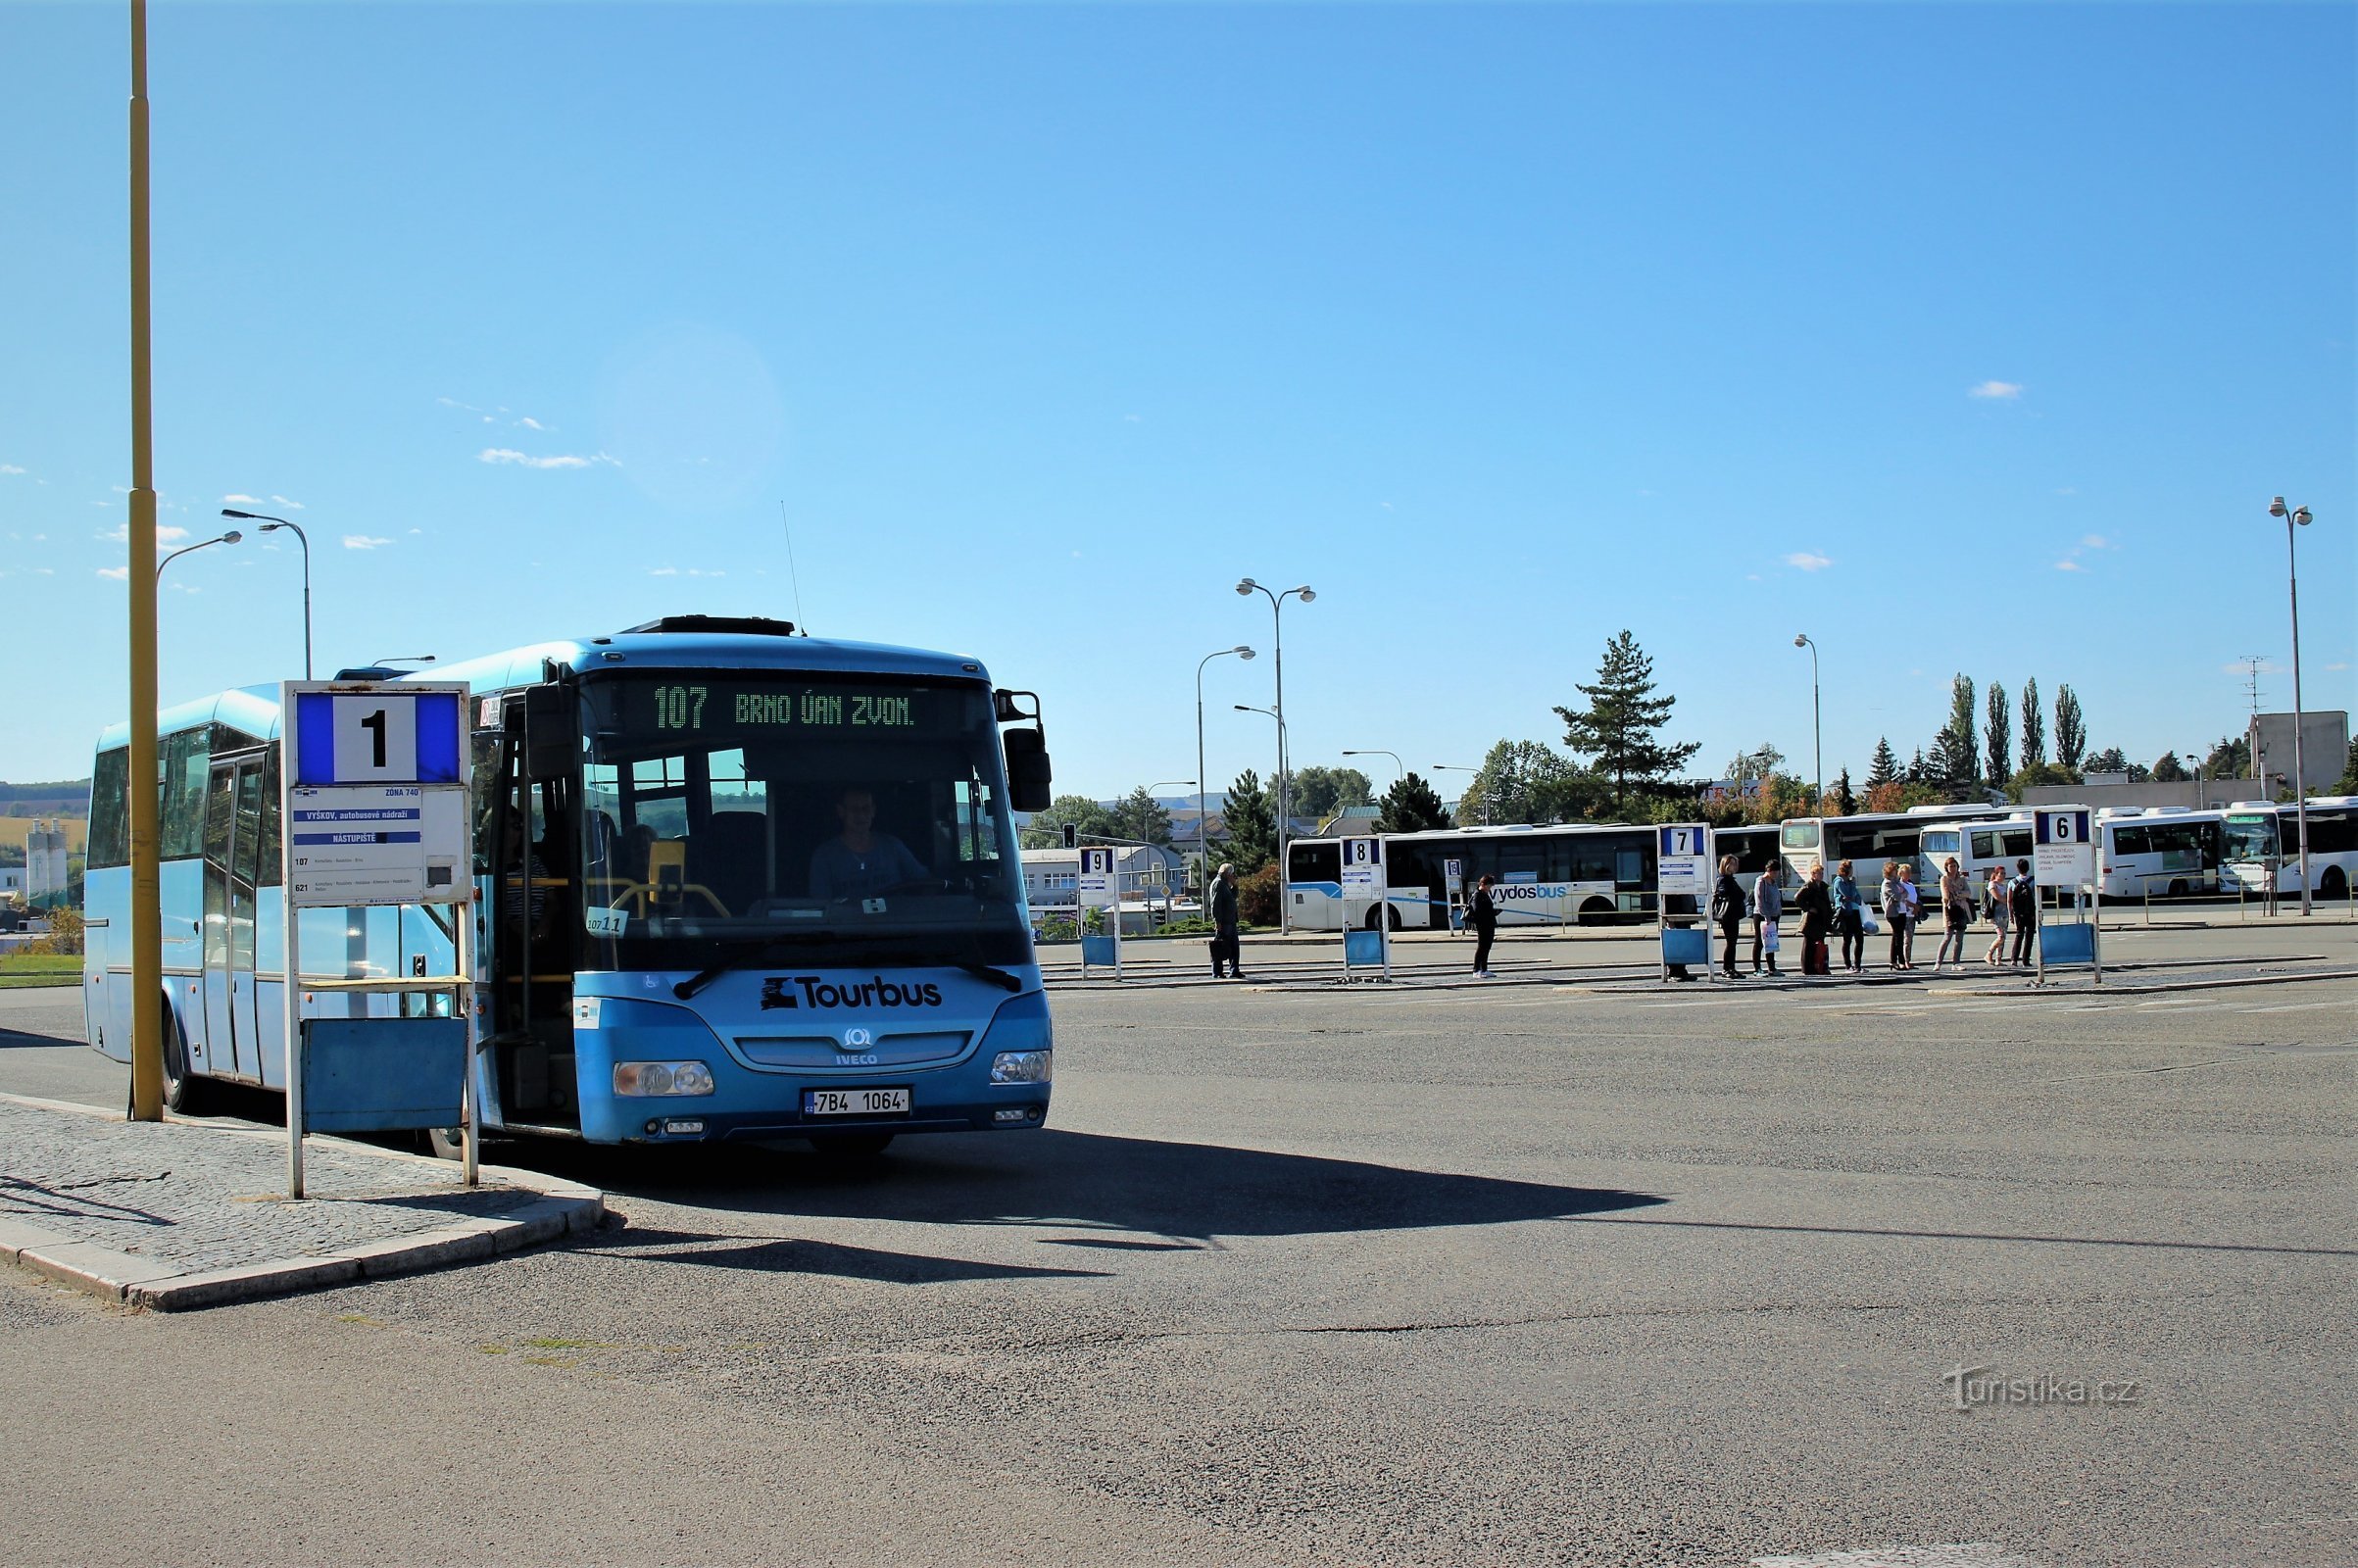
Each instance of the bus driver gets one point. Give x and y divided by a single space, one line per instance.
861 863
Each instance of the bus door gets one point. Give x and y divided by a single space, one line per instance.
231 1043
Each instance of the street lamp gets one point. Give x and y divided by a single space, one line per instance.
2298 516
271 524
401 659
1377 750
1277 605
1817 735
229 538
1459 768
1267 713
1202 854
1166 880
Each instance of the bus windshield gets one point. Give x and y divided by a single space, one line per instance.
772 818
2251 839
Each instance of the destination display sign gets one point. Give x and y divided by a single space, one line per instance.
765 708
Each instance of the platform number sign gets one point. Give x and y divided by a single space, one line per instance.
378 737
1682 859
2061 847
1097 887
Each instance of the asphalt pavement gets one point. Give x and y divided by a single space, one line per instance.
1522 1273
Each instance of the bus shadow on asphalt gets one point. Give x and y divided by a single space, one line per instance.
834 1259
1120 1194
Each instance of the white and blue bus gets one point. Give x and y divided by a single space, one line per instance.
732 882
2263 839
1581 874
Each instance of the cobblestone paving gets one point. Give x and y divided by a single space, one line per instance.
199 1197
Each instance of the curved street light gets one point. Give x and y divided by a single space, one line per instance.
1817 736
1285 767
229 538
271 524
1461 767
1203 854
2297 516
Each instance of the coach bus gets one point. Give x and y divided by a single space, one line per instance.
731 882
1582 873
2261 838
1870 838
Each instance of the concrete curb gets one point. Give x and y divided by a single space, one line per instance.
562 1209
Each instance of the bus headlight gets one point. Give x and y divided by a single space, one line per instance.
1023 1066
663 1078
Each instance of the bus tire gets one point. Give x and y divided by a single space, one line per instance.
852 1149
184 1092
2333 884
1597 912
2178 889
446 1143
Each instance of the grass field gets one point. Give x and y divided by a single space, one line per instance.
39 970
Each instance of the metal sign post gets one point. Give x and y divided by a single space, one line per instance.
1682 866
1365 876
373 795
1099 887
2063 855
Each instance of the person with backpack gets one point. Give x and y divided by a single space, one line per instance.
1816 904
1768 906
1850 917
1726 912
1482 915
2023 895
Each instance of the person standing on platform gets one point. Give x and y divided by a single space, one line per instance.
1481 913
2025 895
1726 912
1850 917
2000 899
1815 900
1227 950
1956 914
1768 907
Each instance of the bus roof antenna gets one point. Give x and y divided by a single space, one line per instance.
792 574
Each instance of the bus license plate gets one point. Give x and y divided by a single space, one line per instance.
854 1102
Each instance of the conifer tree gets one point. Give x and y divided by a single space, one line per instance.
1619 730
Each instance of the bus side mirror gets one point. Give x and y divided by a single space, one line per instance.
551 732
1029 787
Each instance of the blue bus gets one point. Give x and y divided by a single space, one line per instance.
731 882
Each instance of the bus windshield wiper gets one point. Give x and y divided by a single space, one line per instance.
745 952
984 971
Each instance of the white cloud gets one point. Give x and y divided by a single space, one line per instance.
183 588
525 460
453 403
530 423
10 468
417 530
116 573
664 572
2337 668
1807 560
2095 541
292 506
678 571
241 501
362 541
2067 563
51 571
1996 389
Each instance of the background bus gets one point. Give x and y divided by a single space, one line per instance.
2259 836
1577 873
676 941
1870 838
2169 849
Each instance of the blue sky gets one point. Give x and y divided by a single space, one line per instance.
1960 336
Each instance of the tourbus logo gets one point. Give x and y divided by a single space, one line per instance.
778 991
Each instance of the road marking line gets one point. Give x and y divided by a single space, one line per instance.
1956 1554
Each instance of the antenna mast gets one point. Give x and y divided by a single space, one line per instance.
793 574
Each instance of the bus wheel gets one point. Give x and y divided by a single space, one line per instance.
184 1091
2178 890
849 1148
2333 884
1394 916
446 1143
1597 912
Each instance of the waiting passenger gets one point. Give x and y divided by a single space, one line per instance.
861 863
